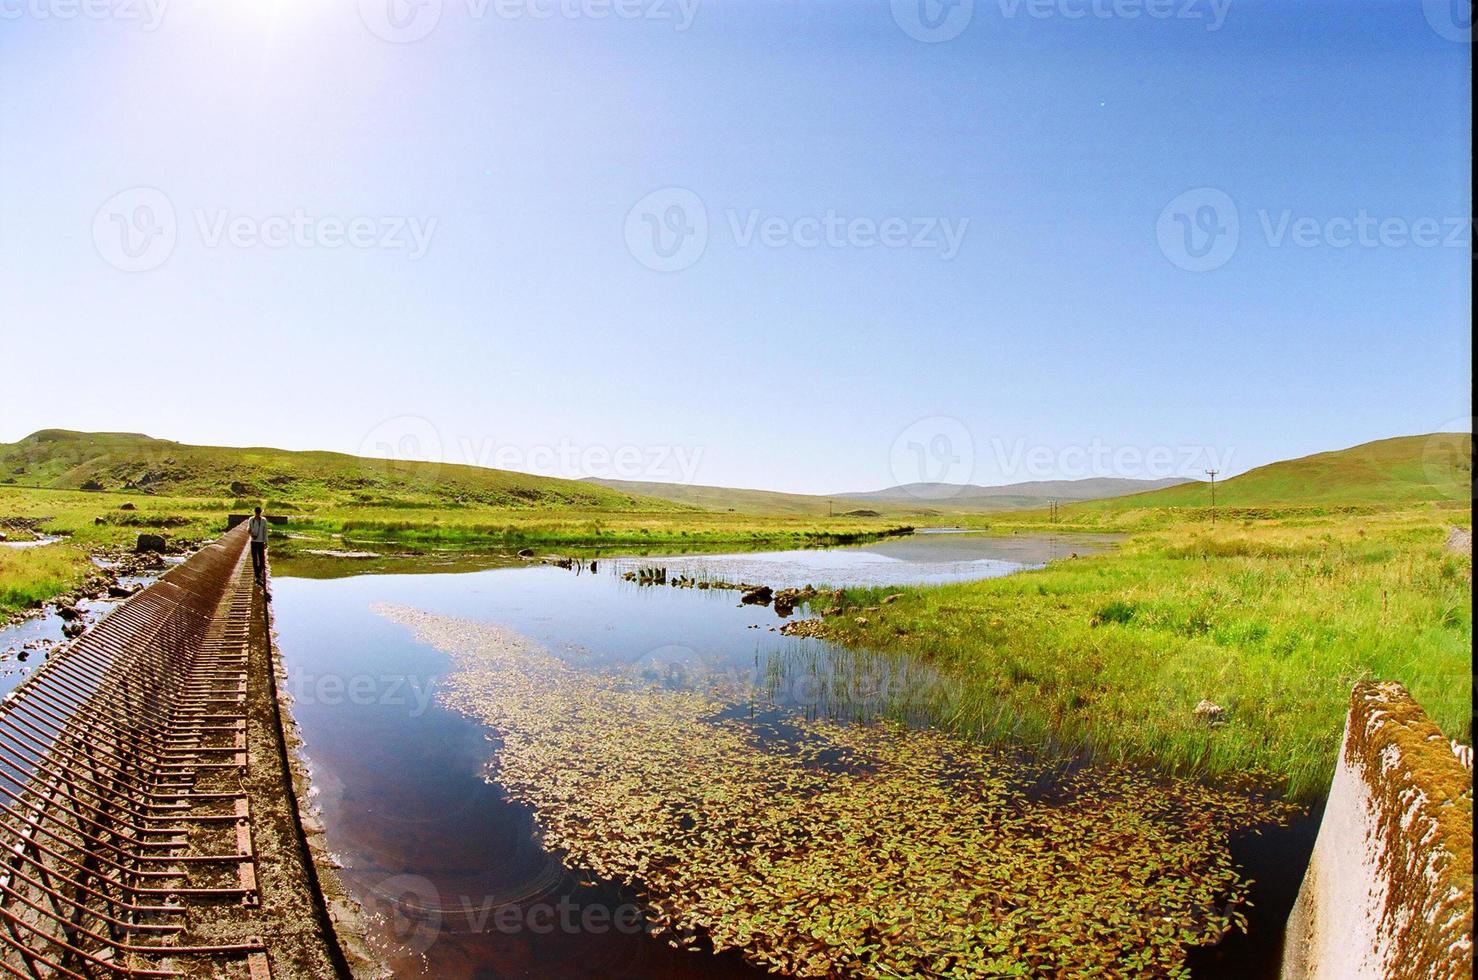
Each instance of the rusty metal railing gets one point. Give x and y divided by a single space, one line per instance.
122 813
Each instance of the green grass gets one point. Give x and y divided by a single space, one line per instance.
1274 620
29 577
1410 469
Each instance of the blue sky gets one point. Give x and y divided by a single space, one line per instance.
499 302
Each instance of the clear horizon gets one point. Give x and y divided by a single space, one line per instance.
773 245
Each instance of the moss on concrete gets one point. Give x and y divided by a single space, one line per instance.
1423 798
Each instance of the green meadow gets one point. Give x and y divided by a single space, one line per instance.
1272 619
31 576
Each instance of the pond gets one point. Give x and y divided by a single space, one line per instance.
536 771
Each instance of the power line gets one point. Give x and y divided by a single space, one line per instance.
1212 474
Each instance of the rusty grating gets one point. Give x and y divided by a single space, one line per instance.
122 813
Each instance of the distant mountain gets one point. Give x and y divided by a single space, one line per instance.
914 498
1436 467
725 498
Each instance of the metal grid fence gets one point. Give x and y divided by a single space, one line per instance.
122 812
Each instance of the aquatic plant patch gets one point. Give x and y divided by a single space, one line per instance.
851 850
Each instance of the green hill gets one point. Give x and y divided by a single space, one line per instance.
1409 469
65 460
1405 470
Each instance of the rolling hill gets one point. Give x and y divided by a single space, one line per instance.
1437 466
915 498
1408 469
65 460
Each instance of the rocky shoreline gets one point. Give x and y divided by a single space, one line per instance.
784 601
117 573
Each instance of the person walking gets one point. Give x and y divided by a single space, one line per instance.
256 529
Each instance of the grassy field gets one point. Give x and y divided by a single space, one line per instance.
1273 612
29 577
1409 469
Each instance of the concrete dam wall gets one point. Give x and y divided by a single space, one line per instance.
1389 890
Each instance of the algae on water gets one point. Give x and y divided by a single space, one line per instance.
861 851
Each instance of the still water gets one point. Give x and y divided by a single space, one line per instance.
450 868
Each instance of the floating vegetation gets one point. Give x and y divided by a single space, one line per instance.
847 850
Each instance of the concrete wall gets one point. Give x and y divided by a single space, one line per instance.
1389 890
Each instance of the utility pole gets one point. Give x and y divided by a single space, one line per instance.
1212 474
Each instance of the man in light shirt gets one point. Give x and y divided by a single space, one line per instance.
256 529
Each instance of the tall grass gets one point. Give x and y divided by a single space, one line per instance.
1274 623
30 576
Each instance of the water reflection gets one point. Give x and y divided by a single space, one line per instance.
918 559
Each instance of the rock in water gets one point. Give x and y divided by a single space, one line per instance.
1209 712
760 595
152 542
